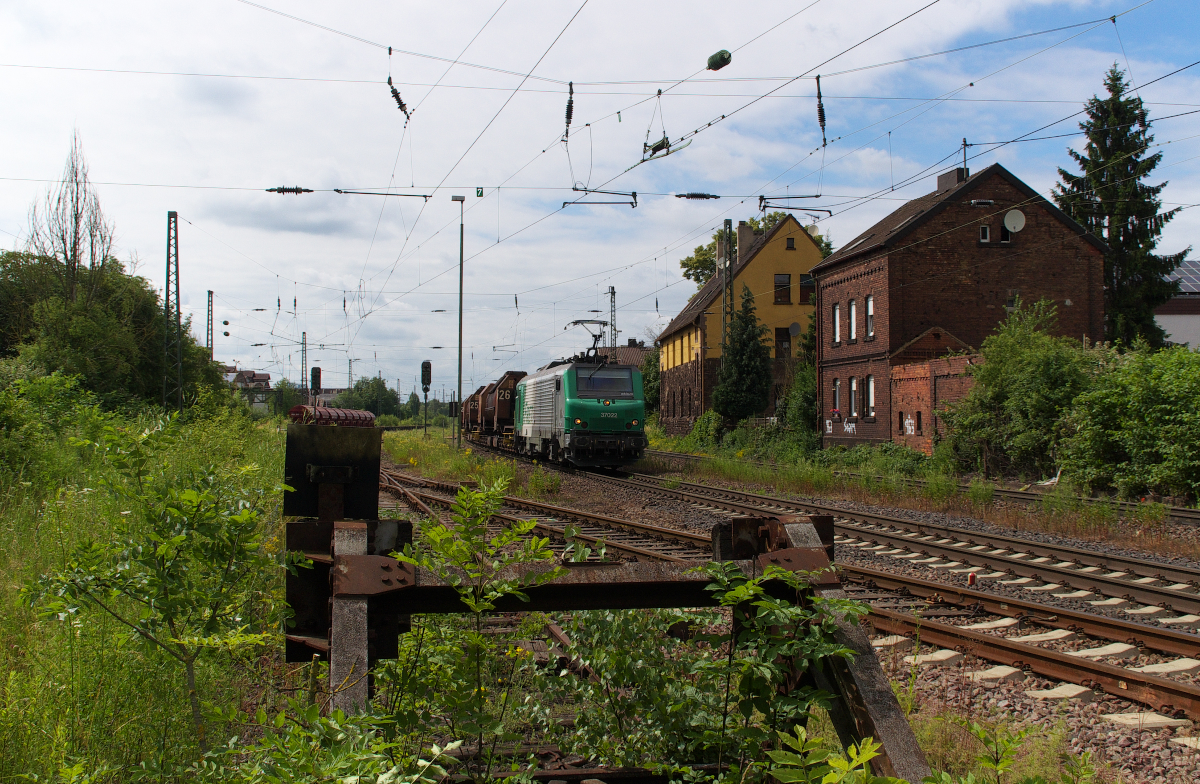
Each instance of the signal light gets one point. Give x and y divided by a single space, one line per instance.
577 421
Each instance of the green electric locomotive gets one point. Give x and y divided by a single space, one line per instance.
582 411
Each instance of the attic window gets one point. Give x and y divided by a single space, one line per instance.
985 233
791 243
904 222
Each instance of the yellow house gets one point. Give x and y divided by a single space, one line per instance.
777 267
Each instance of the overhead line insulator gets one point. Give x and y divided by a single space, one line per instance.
289 189
696 196
821 111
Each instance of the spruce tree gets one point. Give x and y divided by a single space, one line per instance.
744 380
1111 200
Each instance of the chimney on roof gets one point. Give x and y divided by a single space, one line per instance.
745 236
952 178
633 343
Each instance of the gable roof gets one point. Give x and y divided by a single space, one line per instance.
626 355
708 293
902 222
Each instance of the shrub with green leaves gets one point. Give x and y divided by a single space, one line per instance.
1137 429
1007 423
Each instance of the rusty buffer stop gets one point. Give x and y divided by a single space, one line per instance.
356 599
331 464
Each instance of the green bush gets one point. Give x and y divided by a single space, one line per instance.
387 420
981 493
1138 428
1007 423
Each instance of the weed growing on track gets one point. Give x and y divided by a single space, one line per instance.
438 459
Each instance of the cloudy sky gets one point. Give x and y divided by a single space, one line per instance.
199 107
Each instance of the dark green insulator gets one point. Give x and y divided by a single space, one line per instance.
720 60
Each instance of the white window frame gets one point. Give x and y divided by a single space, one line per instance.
853 320
870 317
853 396
870 396
985 233
837 323
837 395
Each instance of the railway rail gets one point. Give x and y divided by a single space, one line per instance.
1057 570
899 604
1177 514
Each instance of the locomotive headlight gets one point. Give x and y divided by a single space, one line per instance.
577 420
635 421
608 402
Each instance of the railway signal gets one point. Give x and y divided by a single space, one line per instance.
426 380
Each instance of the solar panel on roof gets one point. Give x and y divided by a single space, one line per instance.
1188 275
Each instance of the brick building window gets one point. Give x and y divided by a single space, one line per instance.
870 317
869 402
783 343
853 320
918 421
837 323
985 233
837 395
791 243
853 396
900 422
1005 234
783 289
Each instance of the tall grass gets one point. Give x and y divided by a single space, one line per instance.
79 687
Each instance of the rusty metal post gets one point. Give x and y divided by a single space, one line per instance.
348 635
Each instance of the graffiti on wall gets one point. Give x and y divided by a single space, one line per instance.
910 427
828 425
849 427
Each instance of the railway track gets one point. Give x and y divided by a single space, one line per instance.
956 619
1176 514
626 537
1140 588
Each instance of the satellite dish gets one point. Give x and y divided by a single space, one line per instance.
794 329
1014 220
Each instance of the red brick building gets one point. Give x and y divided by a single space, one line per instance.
936 276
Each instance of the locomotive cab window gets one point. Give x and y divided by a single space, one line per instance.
611 382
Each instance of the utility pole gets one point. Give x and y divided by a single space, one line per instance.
349 373
727 286
460 200
304 366
612 317
208 338
173 329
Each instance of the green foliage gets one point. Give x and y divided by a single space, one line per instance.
285 396
300 745
185 571
369 394
801 406
744 381
651 379
540 482
482 569
1027 382
706 432
981 493
412 407
112 339
1137 428
811 761
1111 200
648 696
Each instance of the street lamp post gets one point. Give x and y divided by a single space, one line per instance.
460 200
